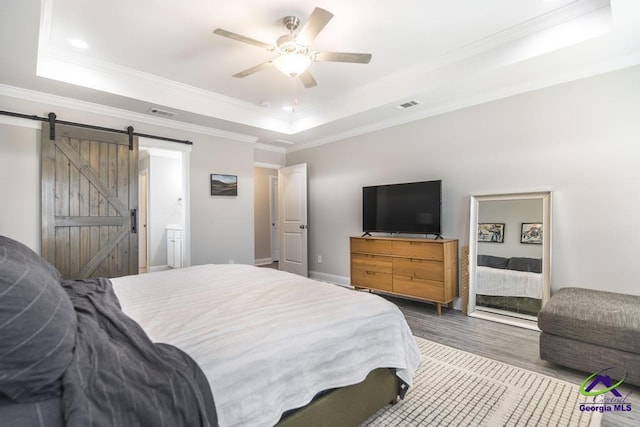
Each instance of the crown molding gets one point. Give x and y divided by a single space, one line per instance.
267 165
95 74
55 100
267 147
489 96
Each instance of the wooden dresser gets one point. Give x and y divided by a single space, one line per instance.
410 267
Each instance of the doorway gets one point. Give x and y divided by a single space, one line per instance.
167 204
274 218
267 245
280 217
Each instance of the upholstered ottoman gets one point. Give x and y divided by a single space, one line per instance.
592 330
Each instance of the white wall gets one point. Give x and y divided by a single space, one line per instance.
221 228
580 140
165 204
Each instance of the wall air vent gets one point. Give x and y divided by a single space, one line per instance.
161 113
408 104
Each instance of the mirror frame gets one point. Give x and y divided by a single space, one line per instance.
545 196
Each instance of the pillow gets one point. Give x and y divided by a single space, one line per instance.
492 261
532 265
37 325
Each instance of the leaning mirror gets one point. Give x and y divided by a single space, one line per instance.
510 257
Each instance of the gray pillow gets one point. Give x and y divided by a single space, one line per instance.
532 265
37 325
492 261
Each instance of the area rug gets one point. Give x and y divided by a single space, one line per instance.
456 388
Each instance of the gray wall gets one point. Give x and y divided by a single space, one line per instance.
165 190
20 183
221 227
580 140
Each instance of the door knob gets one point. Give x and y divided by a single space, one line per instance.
302 226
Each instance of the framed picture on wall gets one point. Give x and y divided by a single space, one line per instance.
531 233
224 185
491 232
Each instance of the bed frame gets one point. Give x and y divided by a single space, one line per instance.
348 406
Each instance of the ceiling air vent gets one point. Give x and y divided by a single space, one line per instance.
408 104
161 113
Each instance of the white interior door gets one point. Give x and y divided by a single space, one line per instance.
292 211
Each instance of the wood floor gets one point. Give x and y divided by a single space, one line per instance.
508 344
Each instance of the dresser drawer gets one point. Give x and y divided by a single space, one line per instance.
431 290
377 263
371 246
420 268
361 277
422 250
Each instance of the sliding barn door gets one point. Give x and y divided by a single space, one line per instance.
89 202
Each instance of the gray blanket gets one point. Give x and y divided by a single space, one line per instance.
118 377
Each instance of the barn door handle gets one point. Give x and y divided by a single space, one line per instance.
134 221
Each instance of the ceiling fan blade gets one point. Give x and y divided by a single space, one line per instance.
252 70
358 58
243 39
307 79
315 23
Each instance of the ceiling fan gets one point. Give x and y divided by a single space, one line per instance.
294 56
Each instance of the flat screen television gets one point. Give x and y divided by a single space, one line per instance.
413 208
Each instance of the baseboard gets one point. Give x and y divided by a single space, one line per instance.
263 261
158 268
331 278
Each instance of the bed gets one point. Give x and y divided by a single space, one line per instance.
513 284
272 347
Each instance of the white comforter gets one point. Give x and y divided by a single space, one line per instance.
500 282
268 341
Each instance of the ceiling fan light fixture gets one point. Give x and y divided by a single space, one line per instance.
292 64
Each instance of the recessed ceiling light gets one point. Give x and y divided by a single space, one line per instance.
287 108
80 44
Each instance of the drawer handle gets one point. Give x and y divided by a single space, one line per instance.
371 273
